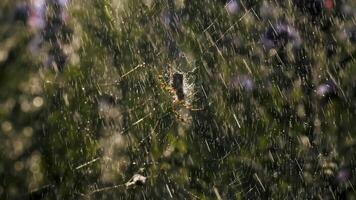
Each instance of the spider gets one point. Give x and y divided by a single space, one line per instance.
178 91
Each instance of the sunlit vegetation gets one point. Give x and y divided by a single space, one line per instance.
177 99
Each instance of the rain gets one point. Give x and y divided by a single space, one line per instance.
177 99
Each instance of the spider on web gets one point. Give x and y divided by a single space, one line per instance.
181 92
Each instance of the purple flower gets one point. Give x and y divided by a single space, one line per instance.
327 89
37 14
242 82
343 175
232 7
279 35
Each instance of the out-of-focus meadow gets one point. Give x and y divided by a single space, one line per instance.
177 99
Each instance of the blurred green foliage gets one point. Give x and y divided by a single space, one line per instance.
84 131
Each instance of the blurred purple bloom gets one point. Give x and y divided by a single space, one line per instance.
279 35
343 175
63 6
326 90
62 2
37 14
243 82
232 7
